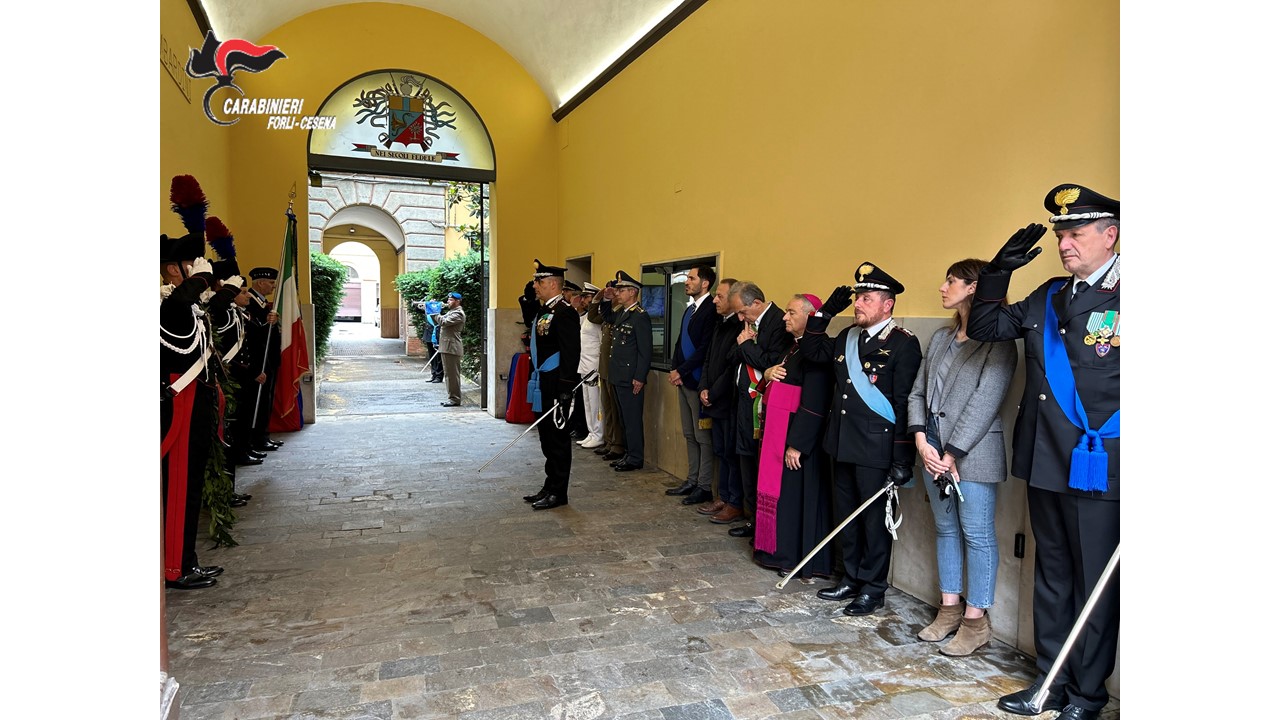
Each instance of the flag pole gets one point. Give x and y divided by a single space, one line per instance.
257 403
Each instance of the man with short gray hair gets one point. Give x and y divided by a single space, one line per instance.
761 344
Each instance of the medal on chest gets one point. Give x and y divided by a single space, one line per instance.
1104 331
543 325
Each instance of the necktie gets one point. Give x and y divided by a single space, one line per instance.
1081 286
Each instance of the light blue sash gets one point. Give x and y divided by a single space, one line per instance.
868 392
533 393
1089 458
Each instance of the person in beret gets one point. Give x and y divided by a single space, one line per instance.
450 321
1067 440
875 361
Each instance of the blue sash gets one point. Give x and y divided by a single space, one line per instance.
868 392
686 342
1089 458
533 394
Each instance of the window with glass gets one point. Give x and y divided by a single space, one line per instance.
664 299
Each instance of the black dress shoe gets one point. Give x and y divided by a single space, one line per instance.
550 501
864 605
697 497
603 450
839 592
248 460
207 571
192 581
238 502
256 454
1019 703
265 448
611 456
450 404
624 466
536 496
1075 712
275 443
242 496
684 489
746 529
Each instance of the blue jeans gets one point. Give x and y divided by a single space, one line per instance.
966 538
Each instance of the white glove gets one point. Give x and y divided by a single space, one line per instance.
166 291
206 296
234 281
201 265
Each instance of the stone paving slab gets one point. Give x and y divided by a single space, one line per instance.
380 576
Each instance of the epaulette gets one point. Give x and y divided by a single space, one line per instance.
901 329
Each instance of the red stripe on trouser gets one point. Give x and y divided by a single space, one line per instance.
174 448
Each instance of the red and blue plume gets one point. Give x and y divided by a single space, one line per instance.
188 200
220 238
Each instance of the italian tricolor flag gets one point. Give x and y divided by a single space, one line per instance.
286 410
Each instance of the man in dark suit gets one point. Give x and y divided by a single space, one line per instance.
875 362
1070 327
761 344
696 327
717 393
555 344
629 361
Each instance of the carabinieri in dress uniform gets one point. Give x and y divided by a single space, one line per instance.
1070 327
867 428
555 344
188 397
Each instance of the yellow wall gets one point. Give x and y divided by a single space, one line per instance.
328 47
799 140
189 143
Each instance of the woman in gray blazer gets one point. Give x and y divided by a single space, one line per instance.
953 413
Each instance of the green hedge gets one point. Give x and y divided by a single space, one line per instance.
327 278
460 273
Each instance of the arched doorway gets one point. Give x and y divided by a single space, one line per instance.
398 138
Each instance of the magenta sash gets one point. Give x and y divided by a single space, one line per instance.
781 400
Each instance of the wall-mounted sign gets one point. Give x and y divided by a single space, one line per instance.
397 122
172 62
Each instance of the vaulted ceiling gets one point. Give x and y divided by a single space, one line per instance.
563 44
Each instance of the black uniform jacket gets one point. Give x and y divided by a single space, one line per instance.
856 433
1043 437
556 330
262 339
718 366
631 352
767 349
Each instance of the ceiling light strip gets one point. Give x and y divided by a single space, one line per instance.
650 39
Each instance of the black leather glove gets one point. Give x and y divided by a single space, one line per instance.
528 309
529 292
900 474
840 300
1020 248
566 399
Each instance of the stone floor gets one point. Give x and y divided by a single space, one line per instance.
379 575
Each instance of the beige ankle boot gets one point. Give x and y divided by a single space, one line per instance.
944 624
973 634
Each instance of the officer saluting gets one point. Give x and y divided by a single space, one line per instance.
629 359
555 344
875 369
1067 441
